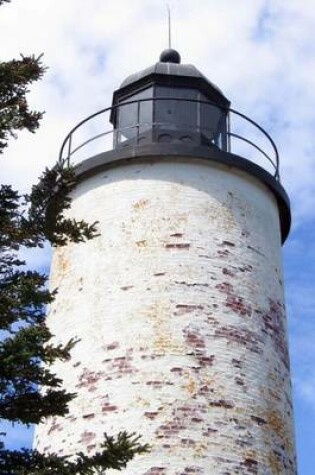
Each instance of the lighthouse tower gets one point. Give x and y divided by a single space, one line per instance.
178 303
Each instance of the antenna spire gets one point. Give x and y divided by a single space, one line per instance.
169 26
169 55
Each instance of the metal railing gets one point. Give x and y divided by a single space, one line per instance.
243 136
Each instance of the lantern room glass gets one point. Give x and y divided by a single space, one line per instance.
170 112
134 119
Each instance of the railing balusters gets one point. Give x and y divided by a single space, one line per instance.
69 150
229 133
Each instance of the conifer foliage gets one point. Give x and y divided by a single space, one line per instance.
28 221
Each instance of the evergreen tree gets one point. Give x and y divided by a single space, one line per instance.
28 221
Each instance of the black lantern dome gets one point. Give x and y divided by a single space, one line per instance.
169 102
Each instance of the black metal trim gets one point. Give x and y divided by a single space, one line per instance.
158 79
162 151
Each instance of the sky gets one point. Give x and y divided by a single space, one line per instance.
262 56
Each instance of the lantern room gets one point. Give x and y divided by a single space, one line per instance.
169 103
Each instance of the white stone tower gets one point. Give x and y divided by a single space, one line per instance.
178 303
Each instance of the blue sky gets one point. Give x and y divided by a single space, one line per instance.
260 53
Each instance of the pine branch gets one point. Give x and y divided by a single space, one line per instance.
114 454
15 77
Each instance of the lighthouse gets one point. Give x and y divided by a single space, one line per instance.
178 302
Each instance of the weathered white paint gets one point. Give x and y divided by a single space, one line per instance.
179 308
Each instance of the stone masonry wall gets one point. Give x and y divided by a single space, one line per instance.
179 308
